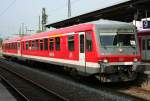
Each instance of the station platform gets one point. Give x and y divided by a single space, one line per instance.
146 66
5 95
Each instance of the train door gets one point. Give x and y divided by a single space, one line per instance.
143 52
146 48
82 51
18 48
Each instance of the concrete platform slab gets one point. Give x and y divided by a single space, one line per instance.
5 95
146 66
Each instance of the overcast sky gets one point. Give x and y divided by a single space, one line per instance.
15 12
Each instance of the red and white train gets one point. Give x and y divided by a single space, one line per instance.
106 49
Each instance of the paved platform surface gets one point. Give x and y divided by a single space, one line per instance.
5 95
146 66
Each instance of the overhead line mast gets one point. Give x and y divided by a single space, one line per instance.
69 8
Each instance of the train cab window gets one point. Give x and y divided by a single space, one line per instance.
41 44
57 45
71 42
88 41
51 44
45 44
148 44
143 44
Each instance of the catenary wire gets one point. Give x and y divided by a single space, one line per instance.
5 10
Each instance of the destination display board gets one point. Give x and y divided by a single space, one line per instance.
146 24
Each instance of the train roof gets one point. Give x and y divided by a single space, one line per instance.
16 39
144 32
70 29
111 24
75 28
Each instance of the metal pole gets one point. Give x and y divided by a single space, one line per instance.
39 23
22 28
26 29
146 14
69 8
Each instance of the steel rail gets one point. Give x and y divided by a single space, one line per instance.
13 87
38 85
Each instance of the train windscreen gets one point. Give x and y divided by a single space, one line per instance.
111 43
118 40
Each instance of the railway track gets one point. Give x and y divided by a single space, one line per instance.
28 89
67 90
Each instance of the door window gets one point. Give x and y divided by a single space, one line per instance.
71 43
143 44
88 41
57 39
148 44
51 44
45 44
81 43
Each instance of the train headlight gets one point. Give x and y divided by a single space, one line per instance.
135 59
105 61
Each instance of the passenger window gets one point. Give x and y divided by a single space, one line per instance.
9 45
81 43
30 45
51 44
21 46
57 40
12 45
37 44
148 44
41 44
33 45
45 44
16 45
143 44
89 41
71 42
27 45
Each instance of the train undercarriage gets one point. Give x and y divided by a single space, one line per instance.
118 73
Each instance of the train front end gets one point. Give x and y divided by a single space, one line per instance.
119 56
